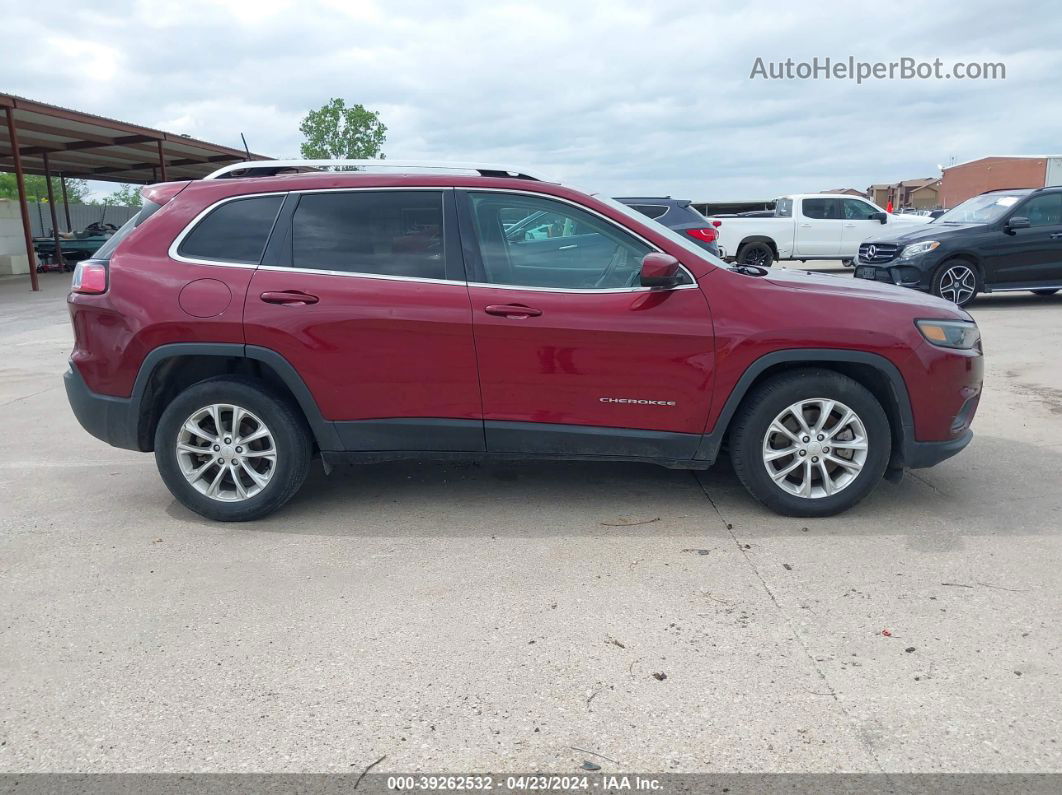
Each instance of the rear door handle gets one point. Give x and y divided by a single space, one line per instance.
568 247
512 310
805 226
292 297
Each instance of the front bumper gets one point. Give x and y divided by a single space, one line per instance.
108 418
921 455
903 273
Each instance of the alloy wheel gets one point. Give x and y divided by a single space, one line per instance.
958 284
226 452
815 448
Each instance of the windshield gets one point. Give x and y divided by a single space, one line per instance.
670 234
982 209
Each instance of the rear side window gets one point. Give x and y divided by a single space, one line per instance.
388 233
235 231
105 251
822 208
652 210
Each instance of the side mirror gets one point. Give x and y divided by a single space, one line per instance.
660 270
883 217
1018 222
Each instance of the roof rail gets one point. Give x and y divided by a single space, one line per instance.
269 168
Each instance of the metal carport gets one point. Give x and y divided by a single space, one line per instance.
51 141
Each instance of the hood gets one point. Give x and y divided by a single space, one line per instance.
849 287
933 231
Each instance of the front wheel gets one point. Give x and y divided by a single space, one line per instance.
229 450
956 281
759 255
810 443
1045 293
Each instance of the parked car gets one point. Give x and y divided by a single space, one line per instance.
999 241
806 226
677 214
238 327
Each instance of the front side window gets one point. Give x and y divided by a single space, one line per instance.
388 233
235 231
1044 210
553 244
855 210
822 209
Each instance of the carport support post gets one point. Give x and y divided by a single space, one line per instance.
20 180
162 162
55 221
66 203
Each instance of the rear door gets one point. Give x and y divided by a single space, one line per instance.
363 292
818 228
575 357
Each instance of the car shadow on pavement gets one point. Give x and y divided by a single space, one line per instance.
978 492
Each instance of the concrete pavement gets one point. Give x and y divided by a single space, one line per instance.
496 617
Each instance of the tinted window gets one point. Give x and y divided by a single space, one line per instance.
553 245
652 210
105 251
1044 210
235 231
821 208
391 233
855 210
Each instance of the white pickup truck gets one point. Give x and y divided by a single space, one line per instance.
806 226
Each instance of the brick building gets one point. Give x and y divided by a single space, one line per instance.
918 194
964 180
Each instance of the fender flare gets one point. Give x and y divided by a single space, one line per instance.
712 441
323 430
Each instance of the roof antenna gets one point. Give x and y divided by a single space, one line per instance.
248 151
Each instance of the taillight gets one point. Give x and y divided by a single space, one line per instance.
90 277
706 235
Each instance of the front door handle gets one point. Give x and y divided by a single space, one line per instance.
289 297
517 311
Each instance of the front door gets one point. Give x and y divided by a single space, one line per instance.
575 357
858 225
363 293
818 228
1029 256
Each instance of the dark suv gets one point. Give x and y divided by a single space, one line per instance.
677 214
999 241
242 324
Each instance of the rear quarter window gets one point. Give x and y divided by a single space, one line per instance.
652 210
235 231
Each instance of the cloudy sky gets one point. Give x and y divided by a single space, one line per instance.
626 98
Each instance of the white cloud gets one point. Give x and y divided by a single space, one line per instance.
627 97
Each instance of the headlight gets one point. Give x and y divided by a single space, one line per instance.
960 334
915 249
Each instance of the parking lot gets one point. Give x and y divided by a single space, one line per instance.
519 617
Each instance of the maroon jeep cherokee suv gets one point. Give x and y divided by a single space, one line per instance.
241 324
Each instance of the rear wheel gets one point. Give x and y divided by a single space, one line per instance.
757 254
229 450
956 281
1045 292
810 443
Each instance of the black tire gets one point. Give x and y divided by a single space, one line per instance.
759 254
290 435
947 274
1045 293
759 410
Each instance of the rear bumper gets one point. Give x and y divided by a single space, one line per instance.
920 455
110 419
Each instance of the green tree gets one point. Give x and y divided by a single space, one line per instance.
336 131
37 188
125 196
